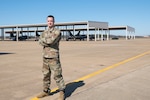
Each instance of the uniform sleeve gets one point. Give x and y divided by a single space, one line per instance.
42 40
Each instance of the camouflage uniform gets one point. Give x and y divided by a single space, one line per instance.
49 39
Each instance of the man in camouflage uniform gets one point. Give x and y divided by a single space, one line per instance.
49 39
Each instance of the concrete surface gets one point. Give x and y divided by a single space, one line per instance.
21 76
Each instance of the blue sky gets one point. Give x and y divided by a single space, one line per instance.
135 13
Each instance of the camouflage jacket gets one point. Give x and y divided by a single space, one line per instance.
49 39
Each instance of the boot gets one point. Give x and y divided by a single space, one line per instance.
62 95
43 94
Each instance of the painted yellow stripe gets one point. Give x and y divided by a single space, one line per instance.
110 67
103 70
35 98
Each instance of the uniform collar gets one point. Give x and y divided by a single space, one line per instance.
51 29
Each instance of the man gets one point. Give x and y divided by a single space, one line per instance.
49 39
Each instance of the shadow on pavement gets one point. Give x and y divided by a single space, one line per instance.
5 53
71 87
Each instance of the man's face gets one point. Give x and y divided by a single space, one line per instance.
50 22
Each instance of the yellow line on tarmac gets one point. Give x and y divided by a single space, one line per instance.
35 98
103 70
110 67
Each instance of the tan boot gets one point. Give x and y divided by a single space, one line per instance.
42 94
62 95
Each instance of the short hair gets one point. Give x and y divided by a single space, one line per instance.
52 17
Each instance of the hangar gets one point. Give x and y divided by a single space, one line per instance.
96 28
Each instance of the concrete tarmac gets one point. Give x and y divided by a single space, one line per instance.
102 70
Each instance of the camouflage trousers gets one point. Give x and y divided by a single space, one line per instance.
54 65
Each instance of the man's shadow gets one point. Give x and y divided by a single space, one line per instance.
71 87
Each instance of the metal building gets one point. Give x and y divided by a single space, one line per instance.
96 28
